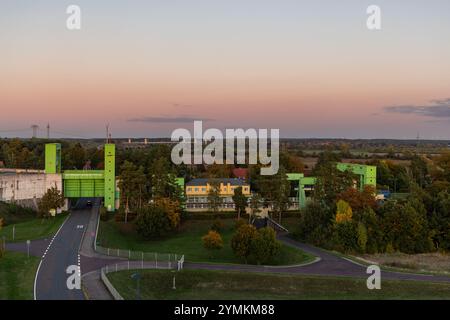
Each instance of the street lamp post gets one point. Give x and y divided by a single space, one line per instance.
173 281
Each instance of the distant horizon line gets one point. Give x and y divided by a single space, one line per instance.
168 139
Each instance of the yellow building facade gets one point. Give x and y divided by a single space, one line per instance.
197 191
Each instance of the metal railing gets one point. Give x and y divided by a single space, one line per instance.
275 225
135 265
157 257
181 263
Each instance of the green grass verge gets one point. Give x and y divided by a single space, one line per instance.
17 276
205 284
33 229
188 241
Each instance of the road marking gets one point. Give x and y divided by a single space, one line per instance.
96 232
79 266
35 279
48 247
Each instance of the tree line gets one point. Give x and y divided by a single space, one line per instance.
341 217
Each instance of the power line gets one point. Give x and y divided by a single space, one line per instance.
15 130
68 134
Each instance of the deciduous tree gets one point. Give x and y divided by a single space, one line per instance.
51 200
240 201
241 243
214 199
265 246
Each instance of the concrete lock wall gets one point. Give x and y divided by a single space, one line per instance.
27 188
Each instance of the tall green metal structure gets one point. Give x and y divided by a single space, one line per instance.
110 176
367 176
85 183
53 158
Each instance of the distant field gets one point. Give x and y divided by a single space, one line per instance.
187 241
203 284
17 276
33 228
311 162
435 262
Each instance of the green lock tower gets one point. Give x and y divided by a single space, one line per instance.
110 176
52 158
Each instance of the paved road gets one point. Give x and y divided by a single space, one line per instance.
71 245
62 252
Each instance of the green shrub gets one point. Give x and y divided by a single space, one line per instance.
362 237
152 221
265 246
239 223
345 236
390 248
241 242
212 240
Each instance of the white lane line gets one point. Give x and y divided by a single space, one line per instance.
39 267
79 266
35 279
96 231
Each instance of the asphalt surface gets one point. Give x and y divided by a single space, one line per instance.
62 252
73 245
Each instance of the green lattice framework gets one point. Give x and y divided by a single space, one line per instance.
85 183
367 176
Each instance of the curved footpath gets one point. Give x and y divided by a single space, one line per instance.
73 244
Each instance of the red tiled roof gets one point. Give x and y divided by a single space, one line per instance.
240 173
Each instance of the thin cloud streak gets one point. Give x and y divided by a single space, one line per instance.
437 109
180 119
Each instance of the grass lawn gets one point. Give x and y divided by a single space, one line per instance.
17 276
33 228
205 284
187 241
290 223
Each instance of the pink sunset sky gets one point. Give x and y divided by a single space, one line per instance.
309 68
